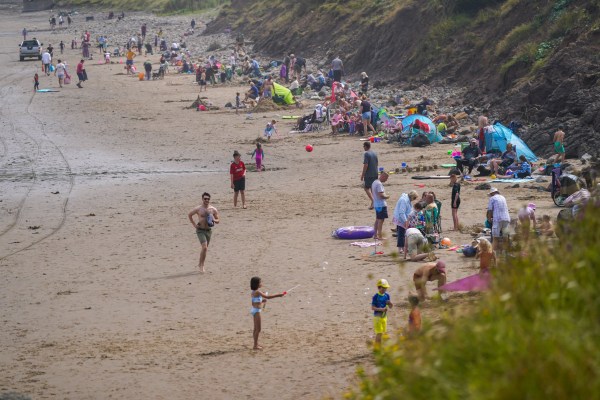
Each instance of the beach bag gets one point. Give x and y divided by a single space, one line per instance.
67 80
52 68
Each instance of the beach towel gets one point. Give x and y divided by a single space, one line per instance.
479 282
365 244
514 180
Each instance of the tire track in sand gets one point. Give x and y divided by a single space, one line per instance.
36 177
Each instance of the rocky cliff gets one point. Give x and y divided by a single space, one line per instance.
535 61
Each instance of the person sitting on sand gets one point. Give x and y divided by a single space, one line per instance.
433 271
524 168
485 254
252 93
546 227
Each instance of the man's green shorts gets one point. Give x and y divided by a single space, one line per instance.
559 148
203 235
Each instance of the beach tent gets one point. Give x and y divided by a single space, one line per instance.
420 124
281 94
497 136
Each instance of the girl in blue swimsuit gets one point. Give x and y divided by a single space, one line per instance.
258 300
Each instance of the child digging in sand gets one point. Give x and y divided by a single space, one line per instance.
380 305
258 303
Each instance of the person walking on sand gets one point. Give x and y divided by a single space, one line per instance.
258 154
36 82
369 171
258 301
380 304
80 73
379 204
60 71
24 32
559 146
237 171
208 216
46 61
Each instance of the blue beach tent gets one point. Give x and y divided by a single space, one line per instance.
500 136
433 135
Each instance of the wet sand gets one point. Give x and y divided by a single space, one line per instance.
101 296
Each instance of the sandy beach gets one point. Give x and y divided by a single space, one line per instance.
100 291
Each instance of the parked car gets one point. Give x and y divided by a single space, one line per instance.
30 48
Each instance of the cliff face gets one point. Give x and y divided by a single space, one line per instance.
535 61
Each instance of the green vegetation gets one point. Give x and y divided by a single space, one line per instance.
514 37
534 335
568 21
546 48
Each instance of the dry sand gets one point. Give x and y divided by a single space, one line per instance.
104 300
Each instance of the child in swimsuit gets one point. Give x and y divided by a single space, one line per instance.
486 255
258 301
258 154
270 129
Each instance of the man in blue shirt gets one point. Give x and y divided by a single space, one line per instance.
253 92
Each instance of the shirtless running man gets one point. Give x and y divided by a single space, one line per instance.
207 217
559 146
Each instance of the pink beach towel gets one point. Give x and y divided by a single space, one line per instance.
475 283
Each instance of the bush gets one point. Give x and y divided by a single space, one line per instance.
514 37
534 335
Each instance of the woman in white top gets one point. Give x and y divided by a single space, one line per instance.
60 72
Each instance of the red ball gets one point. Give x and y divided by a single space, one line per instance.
309 148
